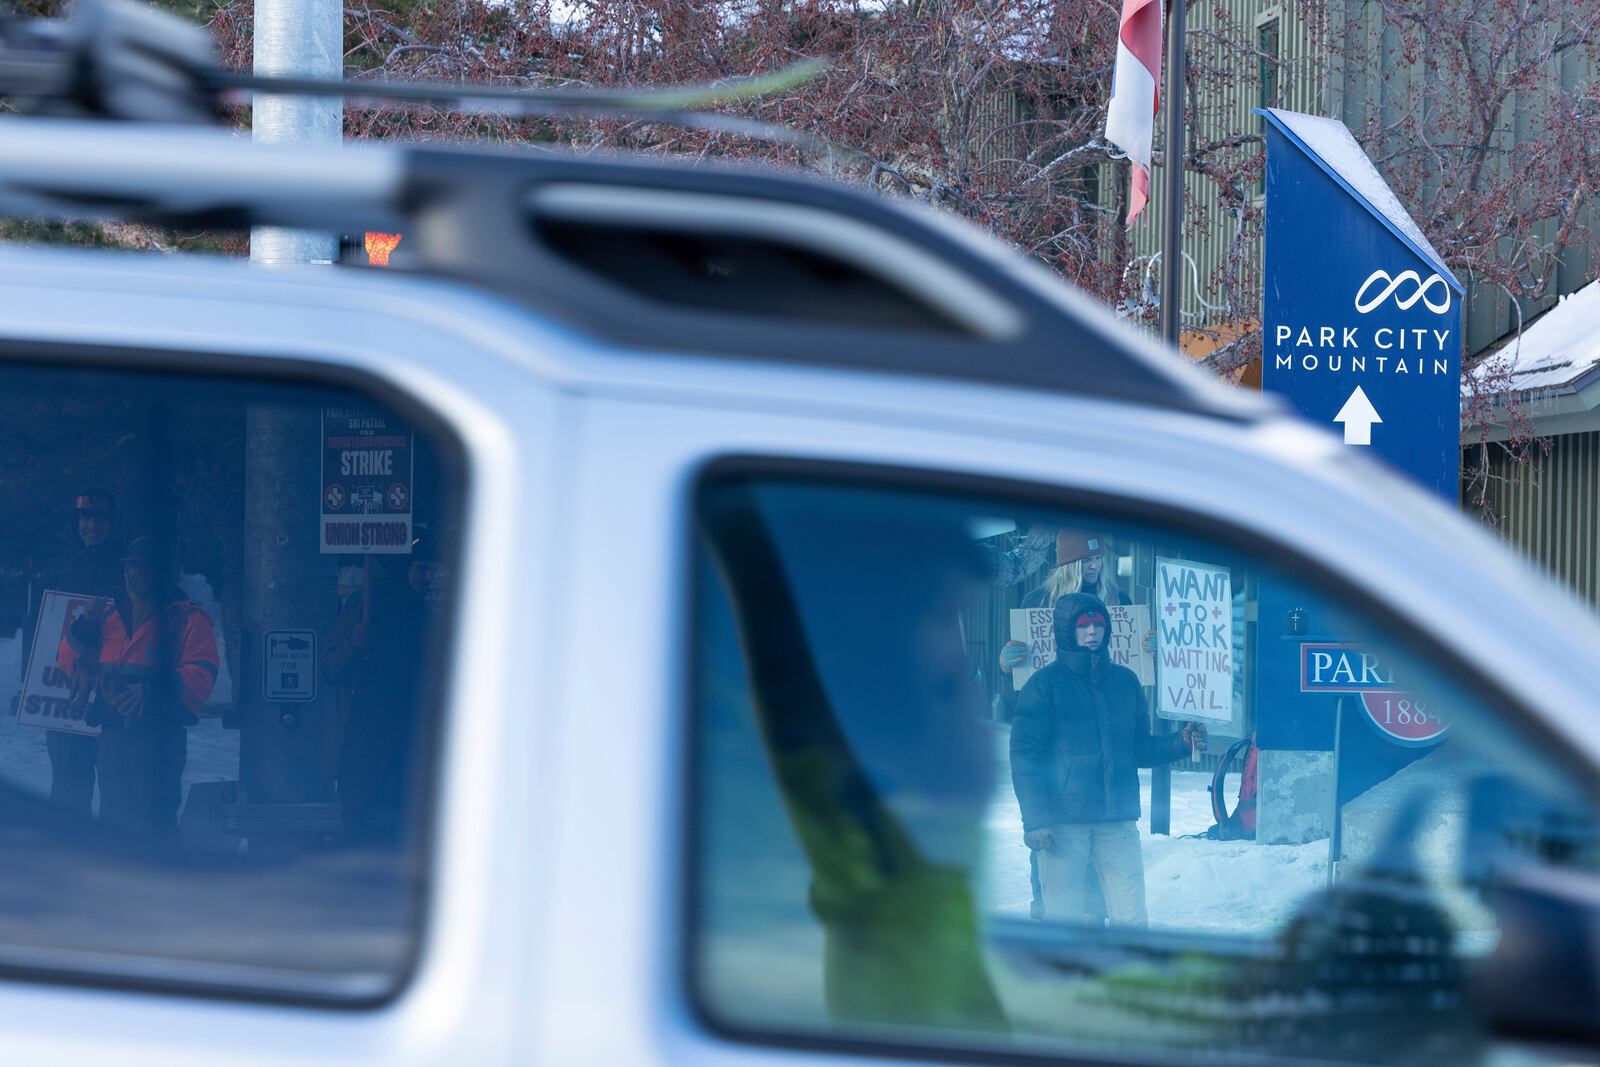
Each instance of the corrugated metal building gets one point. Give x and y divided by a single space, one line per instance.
1545 497
1350 66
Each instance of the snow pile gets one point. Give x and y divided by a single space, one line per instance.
23 763
1556 348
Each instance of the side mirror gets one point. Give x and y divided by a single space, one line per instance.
1543 981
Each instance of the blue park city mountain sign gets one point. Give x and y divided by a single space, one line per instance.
1362 328
1361 321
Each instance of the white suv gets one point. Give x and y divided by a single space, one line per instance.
608 603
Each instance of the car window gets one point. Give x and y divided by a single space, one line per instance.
978 774
222 617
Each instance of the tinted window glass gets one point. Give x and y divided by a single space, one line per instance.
221 634
953 791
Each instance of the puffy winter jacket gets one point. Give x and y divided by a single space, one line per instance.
1081 732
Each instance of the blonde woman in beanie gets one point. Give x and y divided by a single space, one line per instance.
1080 568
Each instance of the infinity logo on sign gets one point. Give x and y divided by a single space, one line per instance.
1404 303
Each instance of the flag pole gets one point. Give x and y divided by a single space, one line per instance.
1172 179
1171 301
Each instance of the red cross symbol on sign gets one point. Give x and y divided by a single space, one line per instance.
398 495
334 497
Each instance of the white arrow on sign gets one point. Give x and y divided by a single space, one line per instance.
1358 415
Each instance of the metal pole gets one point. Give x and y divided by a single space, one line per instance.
1172 180
1171 303
286 581
288 585
298 38
1335 829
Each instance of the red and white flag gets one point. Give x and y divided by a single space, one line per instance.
1131 120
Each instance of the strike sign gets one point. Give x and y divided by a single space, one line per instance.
366 482
47 691
1194 631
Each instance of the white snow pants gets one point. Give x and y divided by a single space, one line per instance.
1113 848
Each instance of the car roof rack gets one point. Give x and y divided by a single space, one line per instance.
705 260
695 259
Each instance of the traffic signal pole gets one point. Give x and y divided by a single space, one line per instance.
289 585
297 38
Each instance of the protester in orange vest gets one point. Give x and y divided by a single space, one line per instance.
145 663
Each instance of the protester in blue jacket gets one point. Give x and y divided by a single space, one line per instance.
1080 735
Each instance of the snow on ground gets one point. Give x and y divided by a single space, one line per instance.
1190 884
23 764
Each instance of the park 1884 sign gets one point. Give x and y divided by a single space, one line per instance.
1341 667
366 482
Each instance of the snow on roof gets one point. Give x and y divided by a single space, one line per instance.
1336 146
1557 348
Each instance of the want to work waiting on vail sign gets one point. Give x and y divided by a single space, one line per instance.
366 482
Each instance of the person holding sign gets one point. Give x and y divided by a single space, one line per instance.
1080 568
150 660
92 568
373 656
1082 731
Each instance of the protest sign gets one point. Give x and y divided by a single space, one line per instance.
1032 627
1194 631
366 482
1129 625
1124 641
47 691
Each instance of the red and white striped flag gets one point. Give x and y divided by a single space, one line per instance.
1131 119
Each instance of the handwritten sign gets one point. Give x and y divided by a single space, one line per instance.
1032 627
1129 625
1194 631
47 691
1125 642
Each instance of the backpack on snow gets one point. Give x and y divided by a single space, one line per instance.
1240 824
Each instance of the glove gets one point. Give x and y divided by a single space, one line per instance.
83 635
1013 654
1194 736
1042 838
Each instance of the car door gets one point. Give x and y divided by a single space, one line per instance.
327 848
822 677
